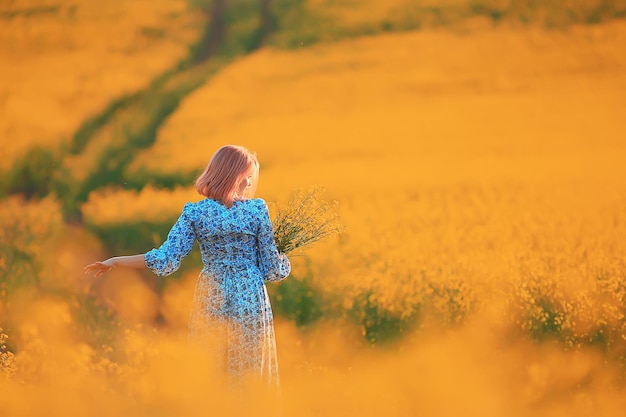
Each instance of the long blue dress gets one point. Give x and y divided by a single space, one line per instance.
231 313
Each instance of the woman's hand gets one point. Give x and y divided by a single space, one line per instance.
132 261
100 268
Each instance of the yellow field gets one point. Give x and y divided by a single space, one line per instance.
479 164
65 61
479 174
498 97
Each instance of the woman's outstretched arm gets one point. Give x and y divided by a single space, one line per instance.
162 261
132 261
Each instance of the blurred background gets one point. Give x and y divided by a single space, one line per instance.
475 149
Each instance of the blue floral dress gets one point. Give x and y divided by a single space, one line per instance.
231 313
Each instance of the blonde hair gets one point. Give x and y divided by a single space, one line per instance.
228 167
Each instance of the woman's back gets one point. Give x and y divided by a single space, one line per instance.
237 237
227 236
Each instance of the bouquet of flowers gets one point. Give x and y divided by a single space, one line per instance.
305 219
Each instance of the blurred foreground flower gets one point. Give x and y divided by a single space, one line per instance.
6 357
306 218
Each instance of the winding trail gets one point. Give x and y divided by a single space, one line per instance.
105 144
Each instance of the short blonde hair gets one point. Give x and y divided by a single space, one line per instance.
228 167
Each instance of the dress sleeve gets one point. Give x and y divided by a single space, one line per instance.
274 265
166 259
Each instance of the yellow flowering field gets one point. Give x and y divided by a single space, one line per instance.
478 173
336 102
65 61
484 181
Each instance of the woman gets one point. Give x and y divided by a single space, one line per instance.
239 254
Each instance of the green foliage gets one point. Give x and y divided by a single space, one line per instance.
585 318
234 27
300 26
548 322
295 26
450 301
132 238
297 300
142 176
97 323
549 13
19 269
32 174
379 325
243 28
92 125
30 11
494 11
18 263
